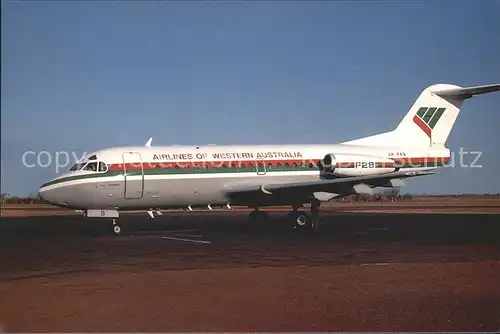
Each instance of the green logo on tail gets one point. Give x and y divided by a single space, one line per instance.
427 118
430 116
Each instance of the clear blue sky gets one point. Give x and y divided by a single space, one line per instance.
79 76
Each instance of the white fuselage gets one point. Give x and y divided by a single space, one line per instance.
182 176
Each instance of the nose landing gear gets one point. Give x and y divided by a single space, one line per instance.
117 230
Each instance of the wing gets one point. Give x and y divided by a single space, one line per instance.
301 192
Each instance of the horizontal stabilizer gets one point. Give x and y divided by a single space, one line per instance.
467 92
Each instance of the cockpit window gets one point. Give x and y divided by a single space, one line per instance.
77 167
91 166
102 167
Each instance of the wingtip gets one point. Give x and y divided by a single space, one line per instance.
148 143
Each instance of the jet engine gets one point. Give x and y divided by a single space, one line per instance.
344 165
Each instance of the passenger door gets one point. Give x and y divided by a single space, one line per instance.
260 166
133 172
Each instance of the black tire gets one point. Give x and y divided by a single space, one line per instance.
301 220
117 229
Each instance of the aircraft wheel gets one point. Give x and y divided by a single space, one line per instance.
117 229
301 220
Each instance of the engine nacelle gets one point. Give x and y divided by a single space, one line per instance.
357 164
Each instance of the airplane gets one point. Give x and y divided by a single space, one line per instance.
151 179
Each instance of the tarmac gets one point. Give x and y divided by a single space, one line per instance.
192 272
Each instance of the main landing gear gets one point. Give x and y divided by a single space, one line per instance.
315 213
301 220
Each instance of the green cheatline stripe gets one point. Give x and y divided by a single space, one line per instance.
436 117
184 171
428 115
421 165
421 112
79 177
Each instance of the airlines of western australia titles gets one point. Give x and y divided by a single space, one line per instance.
225 156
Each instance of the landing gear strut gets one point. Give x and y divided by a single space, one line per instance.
116 227
315 213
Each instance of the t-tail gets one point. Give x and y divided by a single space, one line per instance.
429 121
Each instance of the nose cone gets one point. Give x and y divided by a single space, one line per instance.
45 194
51 195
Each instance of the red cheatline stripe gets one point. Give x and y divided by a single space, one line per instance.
353 164
421 160
344 164
212 164
385 164
422 125
274 163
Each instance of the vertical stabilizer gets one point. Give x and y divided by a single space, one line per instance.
429 121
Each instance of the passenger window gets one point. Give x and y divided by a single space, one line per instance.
91 166
102 167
